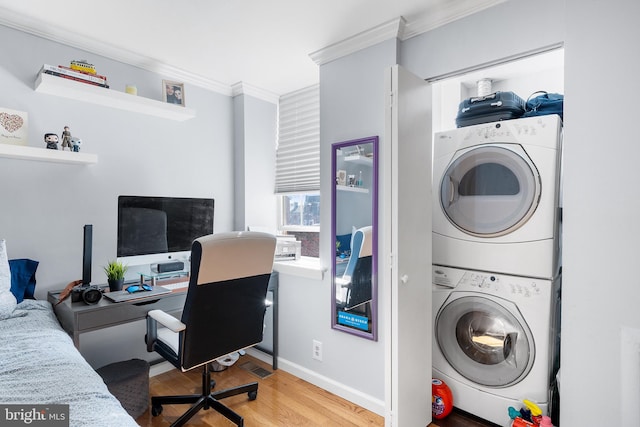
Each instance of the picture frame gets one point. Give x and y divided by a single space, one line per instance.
341 177
13 126
173 92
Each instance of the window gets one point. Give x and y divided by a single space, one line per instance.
300 211
298 167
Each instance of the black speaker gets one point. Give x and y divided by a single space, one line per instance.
86 292
86 254
166 267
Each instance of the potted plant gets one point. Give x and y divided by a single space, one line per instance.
115 271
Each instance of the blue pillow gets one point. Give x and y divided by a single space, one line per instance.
345 243
23 278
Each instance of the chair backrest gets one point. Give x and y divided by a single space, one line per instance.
361 247
226 300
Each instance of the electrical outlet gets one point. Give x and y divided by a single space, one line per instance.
317 350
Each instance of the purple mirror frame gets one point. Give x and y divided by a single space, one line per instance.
373 335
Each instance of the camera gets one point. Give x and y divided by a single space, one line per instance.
89 294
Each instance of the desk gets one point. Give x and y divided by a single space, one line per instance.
78 317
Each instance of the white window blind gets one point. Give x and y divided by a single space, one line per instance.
298 152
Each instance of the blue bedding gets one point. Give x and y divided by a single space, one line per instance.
40 365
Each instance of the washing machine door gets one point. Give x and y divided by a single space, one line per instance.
490 190
485 339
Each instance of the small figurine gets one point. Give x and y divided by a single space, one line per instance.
66 139
76 143
52 141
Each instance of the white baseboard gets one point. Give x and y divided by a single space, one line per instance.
357 397
160 368
260 355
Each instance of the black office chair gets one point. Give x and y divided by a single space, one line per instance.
223 313
355 289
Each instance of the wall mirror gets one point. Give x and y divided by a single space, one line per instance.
354 227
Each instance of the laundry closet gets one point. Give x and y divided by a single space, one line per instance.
496 241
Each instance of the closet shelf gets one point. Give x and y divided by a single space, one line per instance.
54 85
46 155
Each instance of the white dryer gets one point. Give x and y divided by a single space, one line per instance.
496 189
495 339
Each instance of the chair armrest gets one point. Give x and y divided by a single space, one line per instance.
343 282
158 316
167 320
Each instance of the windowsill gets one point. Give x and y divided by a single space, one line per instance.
304 267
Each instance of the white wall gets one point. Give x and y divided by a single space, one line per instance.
601 207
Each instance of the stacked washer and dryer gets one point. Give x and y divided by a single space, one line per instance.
496 263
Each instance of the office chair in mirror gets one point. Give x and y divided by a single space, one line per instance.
223 313
353 288
354 227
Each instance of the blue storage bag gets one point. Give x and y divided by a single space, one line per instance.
544 104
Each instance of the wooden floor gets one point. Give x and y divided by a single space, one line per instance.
283 401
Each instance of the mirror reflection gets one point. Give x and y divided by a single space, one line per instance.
354 226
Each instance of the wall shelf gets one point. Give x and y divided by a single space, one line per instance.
59 86
46 155
352 189
359 159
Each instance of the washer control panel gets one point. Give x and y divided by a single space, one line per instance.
469 280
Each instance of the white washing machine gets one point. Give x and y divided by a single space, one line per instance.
495 339
497 197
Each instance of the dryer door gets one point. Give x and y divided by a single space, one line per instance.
485 339
490 190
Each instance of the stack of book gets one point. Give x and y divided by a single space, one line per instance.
77 75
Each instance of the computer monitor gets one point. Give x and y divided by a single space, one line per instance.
160 229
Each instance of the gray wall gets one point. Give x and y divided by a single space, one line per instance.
255 143
351 107
505 30
600 327
45 205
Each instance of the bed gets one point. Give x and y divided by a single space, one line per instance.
39 365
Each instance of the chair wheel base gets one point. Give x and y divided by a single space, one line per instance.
156 410
253 395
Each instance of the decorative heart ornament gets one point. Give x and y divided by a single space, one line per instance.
11 122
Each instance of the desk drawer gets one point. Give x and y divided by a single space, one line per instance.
109 314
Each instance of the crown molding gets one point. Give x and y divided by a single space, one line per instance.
402 29
445 14
388 30
50 32
397 28
242 88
